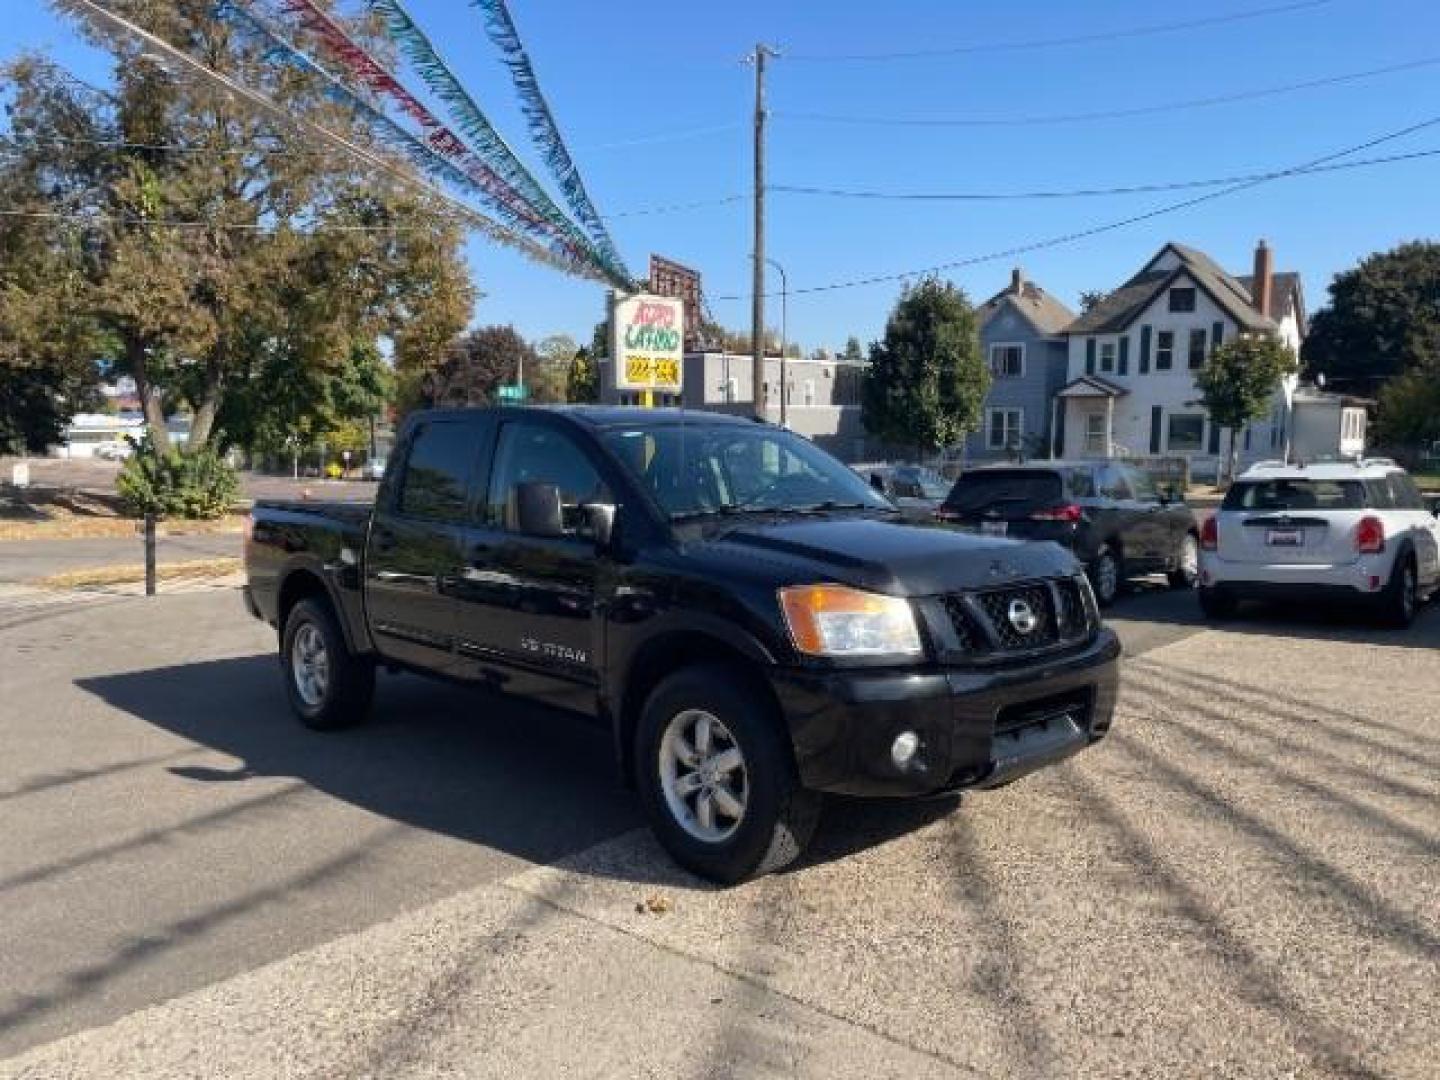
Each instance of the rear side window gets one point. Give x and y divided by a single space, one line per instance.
438 473
1403 490
1295 494
1004 491
1081 483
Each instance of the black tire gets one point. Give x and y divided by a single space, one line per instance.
779 816
1401 598
1107 575
1218 604
349 683
1187 563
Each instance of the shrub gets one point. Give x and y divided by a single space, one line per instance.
177 483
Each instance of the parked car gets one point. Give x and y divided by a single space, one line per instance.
1342 531
914 489
1110 514
113 450
373 469
744 613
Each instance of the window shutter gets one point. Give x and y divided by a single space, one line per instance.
1214 437
1144 350
1090 356
1217 335
1125 355
1157 414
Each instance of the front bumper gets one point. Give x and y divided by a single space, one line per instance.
978 727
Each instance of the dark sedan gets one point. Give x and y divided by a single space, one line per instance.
1110 514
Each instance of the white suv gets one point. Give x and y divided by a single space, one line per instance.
1346 530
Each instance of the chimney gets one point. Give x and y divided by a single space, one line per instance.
1017 281
1263 285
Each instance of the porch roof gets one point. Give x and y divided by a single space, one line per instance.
1091 386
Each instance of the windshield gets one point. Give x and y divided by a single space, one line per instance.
694 469
1004 490
930 484
1294 494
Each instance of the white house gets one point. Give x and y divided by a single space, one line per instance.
1132 359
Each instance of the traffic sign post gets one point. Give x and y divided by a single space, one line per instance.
511 393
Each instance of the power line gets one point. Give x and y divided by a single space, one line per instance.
1110 226
672 208
1107 114
1078 193
1076 39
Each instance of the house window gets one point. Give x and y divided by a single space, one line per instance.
1187 434
1007 361
1107 356
1095 434
1164 350
1006 428
1182 299
809 392
1197 349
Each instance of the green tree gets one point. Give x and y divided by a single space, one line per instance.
1382 319
478 363
549 381
927 379
1093 298
1239 382
854 352
35 405
583 381
1409 411
191 264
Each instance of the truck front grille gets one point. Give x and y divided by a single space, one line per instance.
1019 619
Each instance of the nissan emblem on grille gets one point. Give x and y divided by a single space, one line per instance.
1022 617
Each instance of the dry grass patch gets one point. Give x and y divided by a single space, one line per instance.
100 576
88 528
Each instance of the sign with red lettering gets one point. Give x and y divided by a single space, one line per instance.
648 342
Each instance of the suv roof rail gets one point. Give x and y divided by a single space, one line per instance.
1364 462
1273 463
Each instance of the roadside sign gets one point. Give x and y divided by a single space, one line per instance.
648 342
512 392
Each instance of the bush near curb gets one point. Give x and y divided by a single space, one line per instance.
193 484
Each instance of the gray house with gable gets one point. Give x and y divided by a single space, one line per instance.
1022 338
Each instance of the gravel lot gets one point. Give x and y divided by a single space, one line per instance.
1244 880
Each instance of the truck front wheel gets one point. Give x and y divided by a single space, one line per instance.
717 779
329 687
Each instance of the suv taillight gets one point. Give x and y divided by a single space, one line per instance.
1069 512
1210 534
1370 536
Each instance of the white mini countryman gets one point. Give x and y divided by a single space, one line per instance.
1346 531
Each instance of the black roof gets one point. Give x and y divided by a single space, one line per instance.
599 416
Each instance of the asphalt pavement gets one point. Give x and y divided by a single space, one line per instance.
1239 882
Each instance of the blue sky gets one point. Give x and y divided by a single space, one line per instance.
626 79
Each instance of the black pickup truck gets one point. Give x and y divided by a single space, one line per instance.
749 618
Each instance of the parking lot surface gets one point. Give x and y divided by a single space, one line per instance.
1241 881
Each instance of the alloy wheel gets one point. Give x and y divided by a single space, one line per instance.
703 775
310 665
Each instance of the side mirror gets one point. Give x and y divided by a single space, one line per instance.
600 520
535 510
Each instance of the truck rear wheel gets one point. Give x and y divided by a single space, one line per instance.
717 778
329 687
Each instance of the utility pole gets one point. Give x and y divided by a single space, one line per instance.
757 310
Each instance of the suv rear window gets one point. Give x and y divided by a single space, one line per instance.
1295 494
1005 490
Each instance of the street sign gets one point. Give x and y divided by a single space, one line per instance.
512 392
648 342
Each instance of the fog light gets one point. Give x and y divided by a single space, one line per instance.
903 749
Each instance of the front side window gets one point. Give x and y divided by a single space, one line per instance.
533 453
1107 356
1007 361
1187 434
1182 299
1164 350
694 469
438 472
1197 349
1005 428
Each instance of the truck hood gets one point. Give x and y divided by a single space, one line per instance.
882 555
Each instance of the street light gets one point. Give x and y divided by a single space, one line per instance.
784 304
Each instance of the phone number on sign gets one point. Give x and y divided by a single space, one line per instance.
652 371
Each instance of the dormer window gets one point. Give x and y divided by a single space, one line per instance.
1182 300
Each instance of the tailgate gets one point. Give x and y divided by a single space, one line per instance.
1300 539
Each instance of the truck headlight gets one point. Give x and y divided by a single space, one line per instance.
833 620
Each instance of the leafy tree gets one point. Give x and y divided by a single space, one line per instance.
192 265
1239 382
548 381
35 405
927 379
479 363
583 382
854 353
1409 413
1382 319
1093 298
